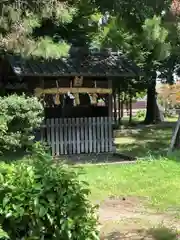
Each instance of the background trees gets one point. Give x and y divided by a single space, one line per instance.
143 36
146 31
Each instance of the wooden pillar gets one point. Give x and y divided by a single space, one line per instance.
41 83
115 106
130 106
119 106
110 108
122 106
127 104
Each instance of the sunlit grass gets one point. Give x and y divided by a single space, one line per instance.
157 181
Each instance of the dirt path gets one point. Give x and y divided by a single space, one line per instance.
129 219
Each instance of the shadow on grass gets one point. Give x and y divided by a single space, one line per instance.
144 142
161 233
9 156
95 158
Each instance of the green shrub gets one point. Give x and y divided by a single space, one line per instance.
3 235
19 116
41 200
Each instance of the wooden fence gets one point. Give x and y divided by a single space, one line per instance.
78 135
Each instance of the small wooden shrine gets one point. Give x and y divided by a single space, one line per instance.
76 92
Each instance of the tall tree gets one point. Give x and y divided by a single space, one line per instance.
158 47
136 31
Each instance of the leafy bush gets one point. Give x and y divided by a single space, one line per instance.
41 200
19 116
3 235
141 114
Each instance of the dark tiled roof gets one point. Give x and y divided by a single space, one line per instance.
94 64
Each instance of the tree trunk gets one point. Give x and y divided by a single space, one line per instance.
115 106
130 107
119 106
153 114
122 107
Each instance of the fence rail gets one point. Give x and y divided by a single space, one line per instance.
78 135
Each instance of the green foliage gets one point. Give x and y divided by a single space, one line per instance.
153 31
19 116
156 38
134 27
140 94
114 35
141 114
48 49
42 200
3 234
75 20
18 21
147 44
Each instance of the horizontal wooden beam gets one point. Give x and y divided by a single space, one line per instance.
40 91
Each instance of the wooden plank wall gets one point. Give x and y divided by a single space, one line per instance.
78 135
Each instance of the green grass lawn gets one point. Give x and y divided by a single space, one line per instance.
136 119
157 181
154 183
172 119
144 141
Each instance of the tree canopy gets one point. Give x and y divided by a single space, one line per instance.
48 27
19 20
146 31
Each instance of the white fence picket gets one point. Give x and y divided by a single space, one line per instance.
78 135
74 130
65 128
42 132
61 136
90 138
78 140
94 135
86 135
102 134
82 135
52 126
98 130
48 128
106 133
57 137
110 137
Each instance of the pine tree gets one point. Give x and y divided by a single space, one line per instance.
19 19
143 36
